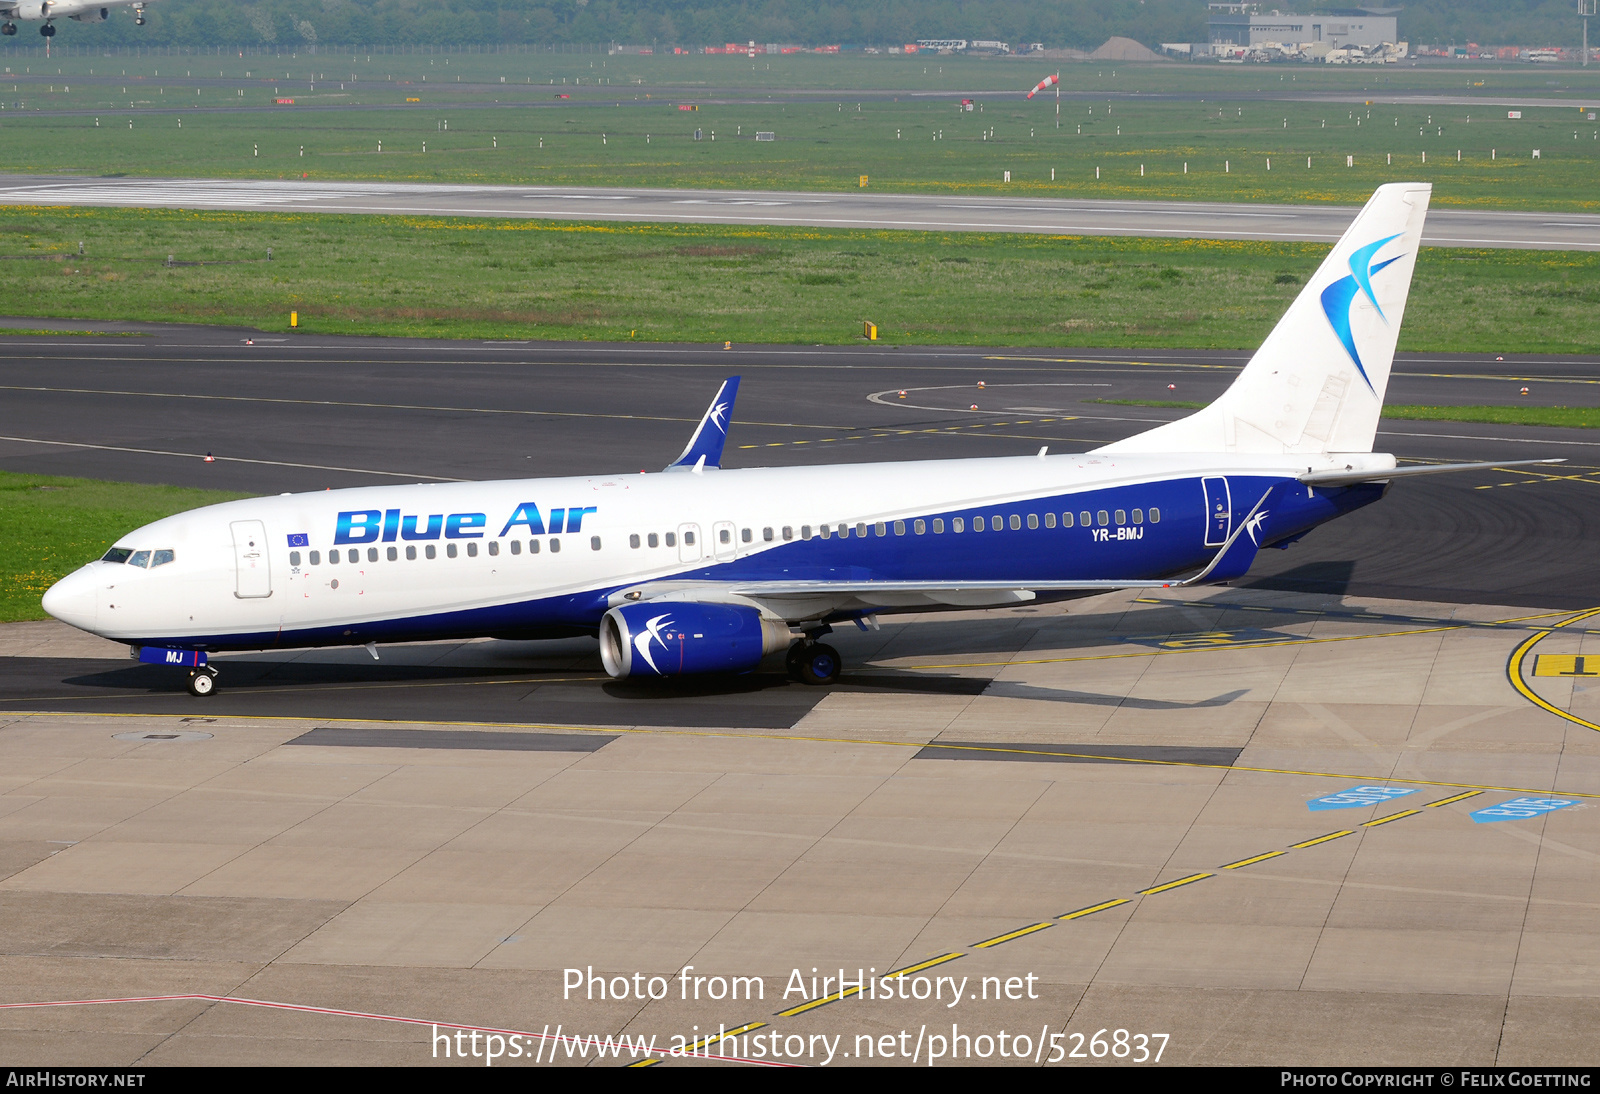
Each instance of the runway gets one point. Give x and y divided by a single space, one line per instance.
955 213
1151 814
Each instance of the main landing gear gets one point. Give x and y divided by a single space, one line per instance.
8 28
48 30
813 662
202 681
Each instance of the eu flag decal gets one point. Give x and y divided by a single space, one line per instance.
299 539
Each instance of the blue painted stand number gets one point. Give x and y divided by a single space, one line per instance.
1520 809
1358 796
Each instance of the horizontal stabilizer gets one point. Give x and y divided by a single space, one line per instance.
705 447
1348 476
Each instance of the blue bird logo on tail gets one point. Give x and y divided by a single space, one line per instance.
1338 297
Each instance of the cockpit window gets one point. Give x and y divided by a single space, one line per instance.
140 559
160 558
117 554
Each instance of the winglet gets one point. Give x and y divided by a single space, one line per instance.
705 447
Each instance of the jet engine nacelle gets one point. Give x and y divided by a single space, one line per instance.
672 639
92 15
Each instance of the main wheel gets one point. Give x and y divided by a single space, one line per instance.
48 30
202 683
818 663
791 660
8 29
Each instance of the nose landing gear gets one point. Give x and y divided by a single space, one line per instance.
202 681
138 15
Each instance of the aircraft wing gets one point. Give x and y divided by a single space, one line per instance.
809 599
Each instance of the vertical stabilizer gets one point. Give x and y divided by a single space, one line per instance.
1317 382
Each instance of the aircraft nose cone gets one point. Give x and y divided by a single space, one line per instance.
72 600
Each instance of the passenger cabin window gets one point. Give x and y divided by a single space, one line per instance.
472 550
494 547
1050 520
1016 522
899 527
117 554
672 539
411 552
1084 519
372 554
594 543
1103 517
294 558
745 535
788 533
880 529
394 554
688 539
956 525
333 557
450 550
633 541
1122 516
1155 515
555 546
920 527
1138 516
533 546
724 535
431 551
653 540
938 526
316 558
977 524
1066 520
516 546
766 535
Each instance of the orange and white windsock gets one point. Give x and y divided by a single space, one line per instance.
1044 83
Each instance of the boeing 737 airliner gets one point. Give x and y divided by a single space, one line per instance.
704 570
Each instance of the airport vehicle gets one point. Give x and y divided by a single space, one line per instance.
82 11
701 569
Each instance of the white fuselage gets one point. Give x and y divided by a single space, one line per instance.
408 562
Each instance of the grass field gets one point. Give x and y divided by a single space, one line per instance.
1213 144
51 526
465 278
1569 417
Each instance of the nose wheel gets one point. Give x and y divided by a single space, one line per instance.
202 682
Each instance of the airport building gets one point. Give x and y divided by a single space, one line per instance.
1347 27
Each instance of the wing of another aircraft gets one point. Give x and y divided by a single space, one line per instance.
705 447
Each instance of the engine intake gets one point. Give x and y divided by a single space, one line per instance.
677 639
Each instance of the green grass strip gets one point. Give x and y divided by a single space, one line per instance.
1569 417
1572 417
50 526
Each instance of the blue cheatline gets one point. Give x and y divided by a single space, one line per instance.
1521 809
1358 796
